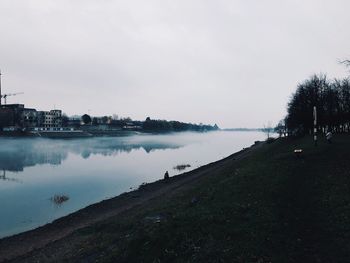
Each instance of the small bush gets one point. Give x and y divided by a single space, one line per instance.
59 199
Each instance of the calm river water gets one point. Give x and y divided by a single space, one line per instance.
33 171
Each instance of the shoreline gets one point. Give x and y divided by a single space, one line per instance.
23 243
77 134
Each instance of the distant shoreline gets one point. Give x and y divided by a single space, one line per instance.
89 134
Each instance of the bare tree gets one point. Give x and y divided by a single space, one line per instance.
281 128
346 62
268 129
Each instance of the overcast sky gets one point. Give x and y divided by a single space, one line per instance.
234 62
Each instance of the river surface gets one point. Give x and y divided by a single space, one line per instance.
34 170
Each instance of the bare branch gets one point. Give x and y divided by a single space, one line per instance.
346 62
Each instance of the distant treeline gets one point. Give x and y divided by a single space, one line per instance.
332 100
168 126
149 125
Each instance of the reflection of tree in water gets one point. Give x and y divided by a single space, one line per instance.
151 148
112 146
3 177
86 153
16 154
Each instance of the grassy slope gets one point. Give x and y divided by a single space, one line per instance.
269 207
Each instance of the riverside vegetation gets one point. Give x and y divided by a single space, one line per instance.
265 206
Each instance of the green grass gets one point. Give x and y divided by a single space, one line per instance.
269 207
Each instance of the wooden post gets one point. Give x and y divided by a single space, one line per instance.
0 89
315 125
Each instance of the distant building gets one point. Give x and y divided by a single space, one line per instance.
131 126
29 118
50 119
101 120
74 122
11 116
16 116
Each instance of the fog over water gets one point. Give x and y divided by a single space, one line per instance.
89 170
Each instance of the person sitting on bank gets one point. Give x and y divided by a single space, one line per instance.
329 136
166 175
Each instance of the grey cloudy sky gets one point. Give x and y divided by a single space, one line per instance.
234 63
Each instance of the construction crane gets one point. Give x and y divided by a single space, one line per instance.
4 96
10 94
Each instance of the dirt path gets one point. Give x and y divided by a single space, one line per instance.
21 244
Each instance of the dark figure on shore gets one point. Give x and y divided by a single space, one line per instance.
166 175
329 136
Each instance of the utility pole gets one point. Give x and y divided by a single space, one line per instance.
315 125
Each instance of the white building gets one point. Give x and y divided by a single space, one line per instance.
50 119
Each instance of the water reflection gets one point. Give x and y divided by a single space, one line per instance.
42 179
16 154
3 177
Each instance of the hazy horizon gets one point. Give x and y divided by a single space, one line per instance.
234 63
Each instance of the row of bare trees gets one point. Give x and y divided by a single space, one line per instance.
332 100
